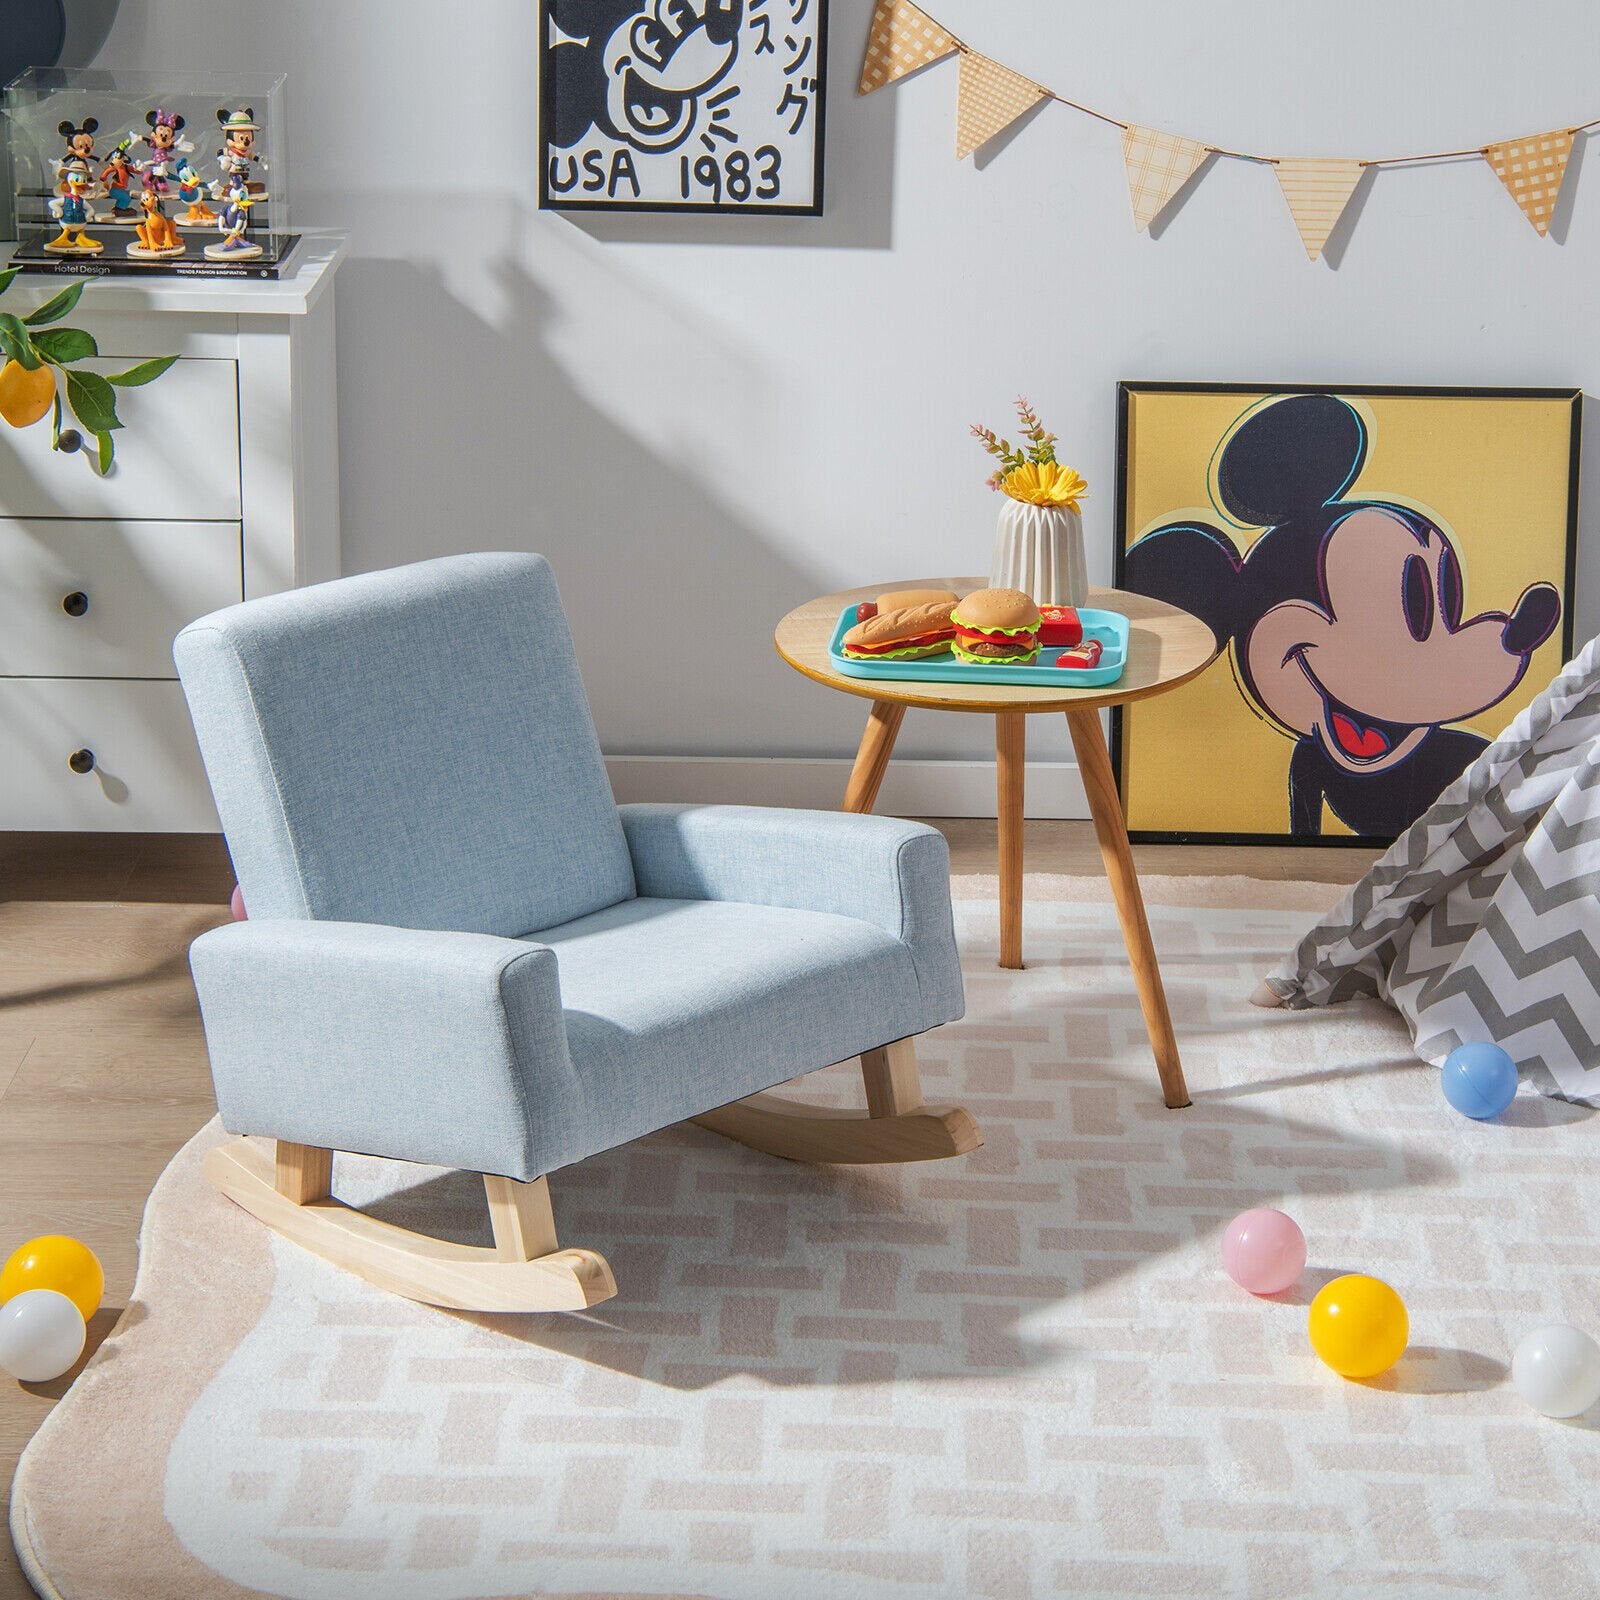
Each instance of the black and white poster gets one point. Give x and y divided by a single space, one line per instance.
682 105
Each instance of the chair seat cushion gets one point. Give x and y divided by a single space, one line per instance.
674 1007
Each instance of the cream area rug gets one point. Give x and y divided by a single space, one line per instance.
1022 1373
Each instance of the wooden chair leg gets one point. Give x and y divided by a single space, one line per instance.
895 1127
525 1270
893 1084
303 1173
524 1225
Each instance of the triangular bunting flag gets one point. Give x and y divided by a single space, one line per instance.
1532 170
991 97
900 40
1317 192
1159 164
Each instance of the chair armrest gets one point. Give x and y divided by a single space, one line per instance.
426 1046
891 873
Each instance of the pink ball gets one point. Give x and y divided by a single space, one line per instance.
1263 1250
236 904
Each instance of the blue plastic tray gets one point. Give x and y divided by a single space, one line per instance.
1109 627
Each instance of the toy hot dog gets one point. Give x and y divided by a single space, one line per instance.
906 633
900 599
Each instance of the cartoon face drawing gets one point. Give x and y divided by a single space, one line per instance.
1347 619
650 62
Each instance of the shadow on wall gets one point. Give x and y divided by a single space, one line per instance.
467 434
857 185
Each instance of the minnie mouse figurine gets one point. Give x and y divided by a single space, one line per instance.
166 144
1347 618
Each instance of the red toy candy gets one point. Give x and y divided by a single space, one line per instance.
1059 625
1083 655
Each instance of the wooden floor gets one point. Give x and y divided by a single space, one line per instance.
102 1068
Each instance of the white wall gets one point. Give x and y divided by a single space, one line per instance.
704 421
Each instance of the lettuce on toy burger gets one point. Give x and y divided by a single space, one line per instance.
996 628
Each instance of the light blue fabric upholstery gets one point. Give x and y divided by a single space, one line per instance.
410 747
375 1001
893 874
392 1041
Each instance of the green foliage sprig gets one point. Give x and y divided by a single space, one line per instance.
31 342
1039 447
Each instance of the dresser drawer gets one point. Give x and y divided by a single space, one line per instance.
177 453
145 776
104 599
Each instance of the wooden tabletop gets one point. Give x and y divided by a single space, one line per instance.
1166 647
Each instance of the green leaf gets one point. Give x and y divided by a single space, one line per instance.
7 276
65 344
57 306
145 372
15 342
93 401
108 452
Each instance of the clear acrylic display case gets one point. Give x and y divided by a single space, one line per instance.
192 180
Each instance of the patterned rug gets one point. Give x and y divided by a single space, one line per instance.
1022 1373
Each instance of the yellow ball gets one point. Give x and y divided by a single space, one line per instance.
1359 1326
53 1261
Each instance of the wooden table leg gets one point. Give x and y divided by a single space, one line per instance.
1010 746
872 759
1094 763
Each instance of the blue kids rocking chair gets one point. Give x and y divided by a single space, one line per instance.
461 951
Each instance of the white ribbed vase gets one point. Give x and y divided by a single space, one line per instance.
1039 550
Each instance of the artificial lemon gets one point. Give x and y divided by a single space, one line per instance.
25 396
54 1261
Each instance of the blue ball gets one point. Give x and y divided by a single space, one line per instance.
1480 1079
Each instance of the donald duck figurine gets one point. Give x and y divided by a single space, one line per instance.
73 213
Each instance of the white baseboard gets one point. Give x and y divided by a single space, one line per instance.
910 788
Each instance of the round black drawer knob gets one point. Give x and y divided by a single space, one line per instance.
81 761
76 603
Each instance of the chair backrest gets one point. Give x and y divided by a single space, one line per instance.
410 747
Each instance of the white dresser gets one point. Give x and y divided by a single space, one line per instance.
226 486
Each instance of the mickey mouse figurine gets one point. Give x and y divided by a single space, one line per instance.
1347 618
80 141
166 145
237 157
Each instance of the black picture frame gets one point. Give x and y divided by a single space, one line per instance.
1124 720
586 165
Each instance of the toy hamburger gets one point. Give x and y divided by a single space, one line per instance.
905 633
997 628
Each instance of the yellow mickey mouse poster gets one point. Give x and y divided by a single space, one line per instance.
1388 572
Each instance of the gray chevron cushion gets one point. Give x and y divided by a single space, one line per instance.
1483 919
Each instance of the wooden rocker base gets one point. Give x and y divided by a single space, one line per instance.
896 1126
435 1271
784 1127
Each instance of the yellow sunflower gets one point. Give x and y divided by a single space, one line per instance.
1045 483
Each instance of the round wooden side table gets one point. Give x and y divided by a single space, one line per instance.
1166 647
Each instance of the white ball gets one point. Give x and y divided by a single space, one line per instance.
41 1335
1557 1370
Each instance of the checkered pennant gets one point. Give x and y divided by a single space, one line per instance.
900 40
991 97
1159 164
1532 169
